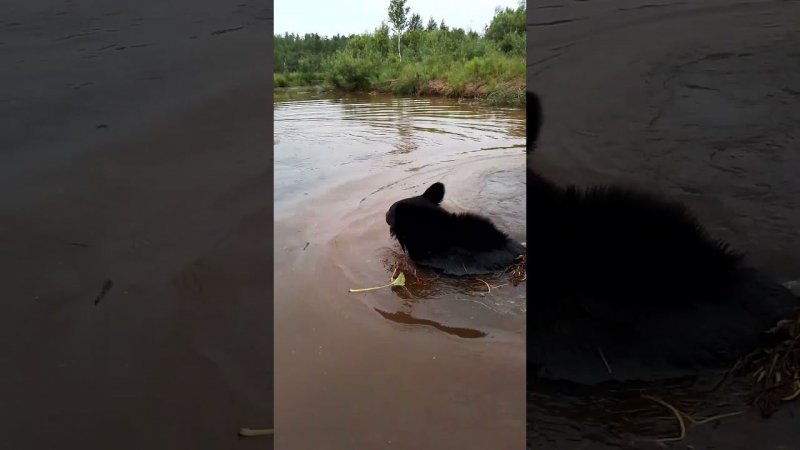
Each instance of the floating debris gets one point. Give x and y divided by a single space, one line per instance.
775 370
104 291
251 432
399 281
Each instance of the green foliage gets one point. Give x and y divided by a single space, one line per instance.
295 53
348 72
508 29
513 43
408 80
436 60
415 23
291 79
383 43
431 25
398 15
506 95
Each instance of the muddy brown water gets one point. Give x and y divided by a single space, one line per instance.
438 364
698 100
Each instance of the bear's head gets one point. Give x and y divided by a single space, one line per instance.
418 223
428 202
426 230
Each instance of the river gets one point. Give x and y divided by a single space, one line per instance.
436 364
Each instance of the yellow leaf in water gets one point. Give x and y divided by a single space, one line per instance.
400 280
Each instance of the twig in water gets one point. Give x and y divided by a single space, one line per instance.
680 415
399 281
489 291
794 394
250 432
712 418
677 415
106 287
778 385
605 361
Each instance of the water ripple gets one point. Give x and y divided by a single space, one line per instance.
342 138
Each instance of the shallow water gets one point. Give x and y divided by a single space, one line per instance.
357 370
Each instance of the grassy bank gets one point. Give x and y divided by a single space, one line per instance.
433 60
294 79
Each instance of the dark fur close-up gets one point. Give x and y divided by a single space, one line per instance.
455 243
628 278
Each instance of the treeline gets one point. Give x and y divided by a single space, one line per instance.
304 54
431 59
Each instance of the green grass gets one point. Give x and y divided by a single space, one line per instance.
293 79
496 78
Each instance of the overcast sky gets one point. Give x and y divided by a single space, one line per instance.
329 17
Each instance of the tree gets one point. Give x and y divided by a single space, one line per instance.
442 26
431 24
382 40
415 23
507 21
398 16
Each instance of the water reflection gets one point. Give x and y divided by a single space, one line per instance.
408 319
322 140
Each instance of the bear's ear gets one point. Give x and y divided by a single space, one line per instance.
435 193
535 118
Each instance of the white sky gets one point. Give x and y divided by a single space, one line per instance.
329 17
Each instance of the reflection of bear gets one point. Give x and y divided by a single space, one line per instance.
457 244
622 282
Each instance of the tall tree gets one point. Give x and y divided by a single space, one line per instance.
398 16
507 21
508 28
415 23
431 24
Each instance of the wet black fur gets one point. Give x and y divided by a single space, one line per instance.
636 276
456 243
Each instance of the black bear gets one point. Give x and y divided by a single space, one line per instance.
627 285
456 244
